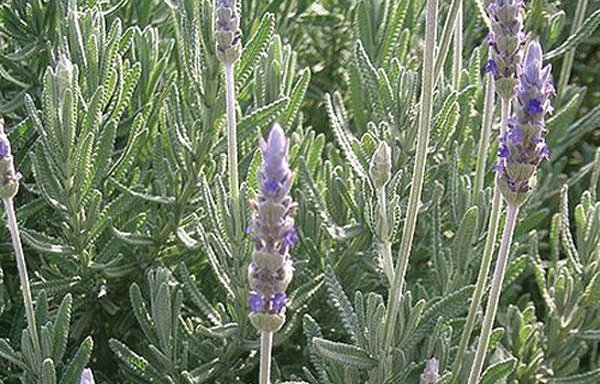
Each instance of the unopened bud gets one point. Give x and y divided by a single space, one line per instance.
381 165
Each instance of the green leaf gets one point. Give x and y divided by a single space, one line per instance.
45 243
345 354
344 138
252 51
580 35
48 373
81 359
141 313
342 304
61 328
592 377
498 371
133 362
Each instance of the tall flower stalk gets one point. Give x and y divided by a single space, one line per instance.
273 232
229 47
9 186
505 40
417 177
522 148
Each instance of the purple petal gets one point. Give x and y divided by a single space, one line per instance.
290 238
279 301
491 67
4 147
534 106
256 302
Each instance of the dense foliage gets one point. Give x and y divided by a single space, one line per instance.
138 251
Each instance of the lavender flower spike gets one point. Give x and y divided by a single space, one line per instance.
523 147
505 39
228 33
9 178
87 377
274 235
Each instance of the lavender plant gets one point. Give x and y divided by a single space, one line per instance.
135 128
522 148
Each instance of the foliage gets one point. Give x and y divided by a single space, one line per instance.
116 114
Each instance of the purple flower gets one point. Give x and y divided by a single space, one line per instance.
534 106
491 67
4 147
87 377
526 147
256 302
505 39
290 238
273 227
278 302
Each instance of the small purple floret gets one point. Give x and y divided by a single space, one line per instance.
534 106
278 301
256 302
290 238
4 147
491 67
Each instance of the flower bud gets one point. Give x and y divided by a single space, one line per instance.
381 165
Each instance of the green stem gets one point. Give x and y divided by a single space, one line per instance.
444 46
23 275
232 153
484 143
567 64
266 343
386 245
417 177
492 231
512 210
458 47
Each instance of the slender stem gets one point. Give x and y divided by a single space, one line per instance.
266 344
386 245
484 142
458 47
567 64
512 210
444 46
23 275
484 269
505 107
416 188
234 183
493 225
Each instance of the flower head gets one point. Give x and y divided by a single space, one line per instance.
523 147
228 33
505 39
272 229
